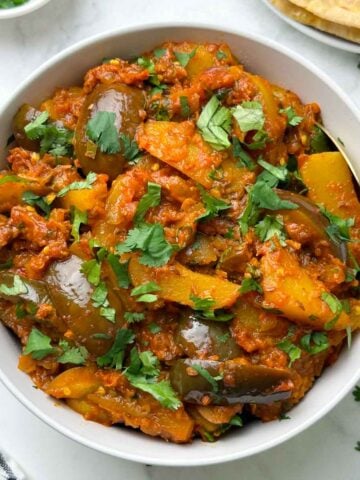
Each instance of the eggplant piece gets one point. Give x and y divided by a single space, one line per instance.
309 214
123 100
26 114
36 290
238 384
70 293
199 337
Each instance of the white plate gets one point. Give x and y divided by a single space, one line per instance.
28 7
323 37
278 64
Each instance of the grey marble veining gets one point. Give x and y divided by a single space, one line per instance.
326 450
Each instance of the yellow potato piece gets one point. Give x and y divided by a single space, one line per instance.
74 383
180 146
329 181
178 283
289 288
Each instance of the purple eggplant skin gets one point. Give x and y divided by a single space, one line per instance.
235 382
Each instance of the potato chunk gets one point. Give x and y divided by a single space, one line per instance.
291 289
178 283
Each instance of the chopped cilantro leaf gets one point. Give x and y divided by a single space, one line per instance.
249 116
244 160
250 285
34 200
38 345
154 329
91 269
292 350
315 342
101 336
214 124
74 355
319 142
152 198
271 227
338 230
335 306
183 58
236 421
213 205
54 137
130 149
99 295
133 317
202 304
108 313
280 173
145 292
292 119
150 240
18 288
101 130
220 55
185 107
78 218
143 373
81 185
120 270
12 179
115 356
356 393
208 377
259 140
159 52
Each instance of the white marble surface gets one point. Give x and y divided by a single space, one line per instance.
326 450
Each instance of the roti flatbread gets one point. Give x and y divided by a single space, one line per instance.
345 12
307 18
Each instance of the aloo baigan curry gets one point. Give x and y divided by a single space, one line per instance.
179 244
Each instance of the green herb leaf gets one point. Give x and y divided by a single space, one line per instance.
292 118
34 200
236 421
292 350
214 124
148 287
150 240
91 269
356 393
12 179
133 317
74 355
213 205
271 227
280 173
220 55
38 345
120 270
78 218
99 295
154 329
34 129
142 373
185 107
18 288
249 116
152 198
184 58
244 160
115 356
319 142
82 185
202 304
209 378
101 130
159 52
108 313
101 336
130 149
335 306
315 342
339 228
250 285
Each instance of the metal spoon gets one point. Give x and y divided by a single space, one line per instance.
341 149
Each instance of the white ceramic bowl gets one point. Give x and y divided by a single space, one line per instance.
28 7
277 64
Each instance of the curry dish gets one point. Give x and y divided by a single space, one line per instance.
179 244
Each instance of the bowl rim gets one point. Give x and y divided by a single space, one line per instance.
159 460
14 12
